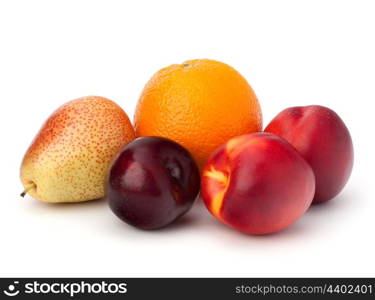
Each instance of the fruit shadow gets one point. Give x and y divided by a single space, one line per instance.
231 235
43 207
342 202
304 227
200 218
339 208
188 221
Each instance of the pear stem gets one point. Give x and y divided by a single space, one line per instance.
28 188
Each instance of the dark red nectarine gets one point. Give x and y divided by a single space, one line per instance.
152 182
257 183
322 138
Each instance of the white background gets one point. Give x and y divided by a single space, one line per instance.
291 52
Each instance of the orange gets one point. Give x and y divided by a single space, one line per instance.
200 104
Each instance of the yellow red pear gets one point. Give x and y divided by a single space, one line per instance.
69 157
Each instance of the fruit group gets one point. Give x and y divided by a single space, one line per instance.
69 157
200 104
322 138
152 182
257 183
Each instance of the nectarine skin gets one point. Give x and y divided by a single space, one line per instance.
152 182
257 183
322 138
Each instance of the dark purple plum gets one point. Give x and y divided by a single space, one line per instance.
152 182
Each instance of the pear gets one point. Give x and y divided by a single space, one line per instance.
69 157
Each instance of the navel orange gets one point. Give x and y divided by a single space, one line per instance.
200 104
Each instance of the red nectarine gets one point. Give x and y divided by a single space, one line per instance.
322 138
257 183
